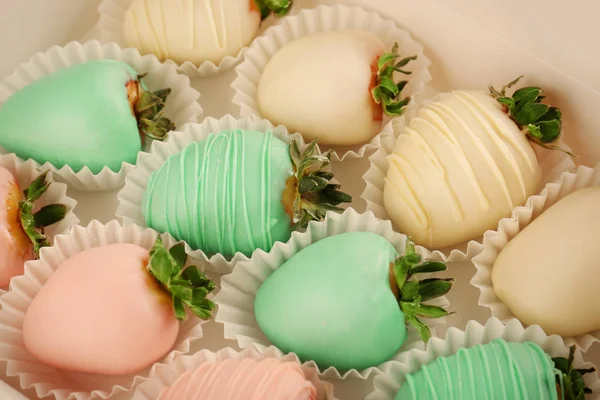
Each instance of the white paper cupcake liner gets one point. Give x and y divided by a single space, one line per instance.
132 194
25 173
508 228
326 19
62 384
182 105
164 375
110 29
552 163
386 386
235 300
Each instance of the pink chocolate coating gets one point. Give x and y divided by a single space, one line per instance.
101 312
246 379
15 248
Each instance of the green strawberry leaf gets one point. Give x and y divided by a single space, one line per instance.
428 267
412 293
37 188
314 196
529 113
527 94
541 123
179 309
429 311
49 215
573 386
434 287
387 91
33 224
162 264
187 286
178 254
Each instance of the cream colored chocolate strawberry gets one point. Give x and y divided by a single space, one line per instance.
333 85
114 309
196 30
21 230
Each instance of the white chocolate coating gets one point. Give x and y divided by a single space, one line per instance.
319 85
548 273
191 30
458 168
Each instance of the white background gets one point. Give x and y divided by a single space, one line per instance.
471 43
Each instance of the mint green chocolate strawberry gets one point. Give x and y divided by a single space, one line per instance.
497 370
345 300
94 114
238 191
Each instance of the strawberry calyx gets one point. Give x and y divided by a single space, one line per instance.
187 286
309 187
277 7
541 123
412 293
33 224
387 92
148 109
570 384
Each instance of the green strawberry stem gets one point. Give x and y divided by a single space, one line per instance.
148 109
187 286
387 92
572 386
277 7
33 224
542 123
312 196
411 293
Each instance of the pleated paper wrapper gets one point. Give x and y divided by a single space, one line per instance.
235 300
62 384
388 384
494 242
327 19
165 375
182 105
110 29
132 195
552 163
25 173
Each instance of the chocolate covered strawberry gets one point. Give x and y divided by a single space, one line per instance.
335 86
94 115
115 309
238 191
345 301
196 31
22 229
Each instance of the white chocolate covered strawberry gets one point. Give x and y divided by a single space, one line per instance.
334 85
114 309
21 230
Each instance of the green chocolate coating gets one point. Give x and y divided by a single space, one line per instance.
223 194
494 371
332 303
78 116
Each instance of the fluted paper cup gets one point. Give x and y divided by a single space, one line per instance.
508 228
182 106
238 291
552 164
132 195
388 384
62 384
165 375
110 28
327 19
25 173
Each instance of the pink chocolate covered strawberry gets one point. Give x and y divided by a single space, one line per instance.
21 230
115 309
